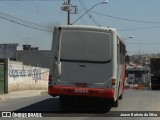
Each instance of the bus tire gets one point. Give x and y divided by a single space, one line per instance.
115 103
121 96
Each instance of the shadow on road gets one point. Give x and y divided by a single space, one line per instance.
52 105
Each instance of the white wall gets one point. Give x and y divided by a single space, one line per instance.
23 77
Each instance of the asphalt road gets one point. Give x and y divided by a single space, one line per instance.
137 100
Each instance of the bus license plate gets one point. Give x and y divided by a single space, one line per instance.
81 91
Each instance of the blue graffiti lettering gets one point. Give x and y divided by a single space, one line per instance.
34 73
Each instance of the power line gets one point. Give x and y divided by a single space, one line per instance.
11 17
131 20
89 15
24 23
125 19
31 9
142 28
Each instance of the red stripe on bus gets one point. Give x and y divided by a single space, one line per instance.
124 72
123 80
79 91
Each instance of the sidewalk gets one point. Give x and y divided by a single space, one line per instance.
22 93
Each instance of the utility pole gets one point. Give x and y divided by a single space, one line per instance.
69 4
67 7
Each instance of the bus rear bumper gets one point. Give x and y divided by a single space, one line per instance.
79 91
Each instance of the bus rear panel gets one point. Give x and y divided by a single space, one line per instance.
86 63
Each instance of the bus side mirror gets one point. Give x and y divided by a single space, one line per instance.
58 69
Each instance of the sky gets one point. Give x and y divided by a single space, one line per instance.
32 21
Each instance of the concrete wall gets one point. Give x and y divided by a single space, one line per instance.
24 77
34 58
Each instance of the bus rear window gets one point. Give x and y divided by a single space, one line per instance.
85 45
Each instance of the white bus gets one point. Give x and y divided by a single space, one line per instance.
87 61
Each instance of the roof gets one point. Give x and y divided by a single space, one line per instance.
86 27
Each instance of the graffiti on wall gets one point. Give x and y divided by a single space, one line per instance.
33 72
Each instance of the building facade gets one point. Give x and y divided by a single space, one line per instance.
8 51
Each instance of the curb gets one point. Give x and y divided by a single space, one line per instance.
44 92
21 94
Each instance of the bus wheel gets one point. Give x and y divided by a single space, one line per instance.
115 103
121 96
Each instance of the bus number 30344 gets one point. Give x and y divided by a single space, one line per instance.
81 91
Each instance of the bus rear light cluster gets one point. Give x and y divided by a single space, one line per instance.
113 80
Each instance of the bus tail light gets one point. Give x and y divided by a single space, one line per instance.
113 80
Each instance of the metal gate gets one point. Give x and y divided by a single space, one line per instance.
2 78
